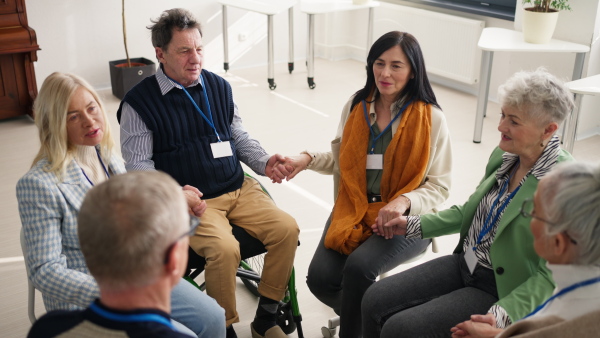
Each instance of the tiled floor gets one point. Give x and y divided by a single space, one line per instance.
288 120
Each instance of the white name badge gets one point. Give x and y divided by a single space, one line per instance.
375 161
221 149
471 259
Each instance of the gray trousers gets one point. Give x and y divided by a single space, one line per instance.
340 281
428 300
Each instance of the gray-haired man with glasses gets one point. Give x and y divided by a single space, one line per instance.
133 231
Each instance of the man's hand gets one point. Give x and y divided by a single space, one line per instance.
275 169
480 326
390 220
193 196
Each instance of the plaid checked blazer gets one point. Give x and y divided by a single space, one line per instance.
49 210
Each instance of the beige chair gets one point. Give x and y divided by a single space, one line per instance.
30 287
330 330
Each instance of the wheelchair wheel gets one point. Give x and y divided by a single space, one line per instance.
256 264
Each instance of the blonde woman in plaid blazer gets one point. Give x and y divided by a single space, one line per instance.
76 153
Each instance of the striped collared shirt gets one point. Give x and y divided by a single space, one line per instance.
136 138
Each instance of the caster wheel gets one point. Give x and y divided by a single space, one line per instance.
290 67
226 66
311 83
272 84
327 332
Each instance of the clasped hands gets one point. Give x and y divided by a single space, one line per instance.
480 326
391 220
281 167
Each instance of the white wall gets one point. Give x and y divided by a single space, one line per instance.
82 36
346 32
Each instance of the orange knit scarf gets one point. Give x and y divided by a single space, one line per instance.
405 163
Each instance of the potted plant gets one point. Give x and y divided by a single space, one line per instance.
540 20
126 73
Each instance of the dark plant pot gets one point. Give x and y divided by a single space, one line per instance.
123 78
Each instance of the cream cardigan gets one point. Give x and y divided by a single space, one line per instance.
435 186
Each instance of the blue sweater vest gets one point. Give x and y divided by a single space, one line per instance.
182 138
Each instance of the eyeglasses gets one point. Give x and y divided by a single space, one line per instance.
194 223
528 212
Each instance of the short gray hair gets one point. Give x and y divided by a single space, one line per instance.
539 94
126 224
176 18
571 201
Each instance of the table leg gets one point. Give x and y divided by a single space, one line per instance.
291 38
310 58
571 129
578 68
370 30
271 79
225 40
484 88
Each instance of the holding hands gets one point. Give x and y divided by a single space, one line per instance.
480 326
390 220
280 167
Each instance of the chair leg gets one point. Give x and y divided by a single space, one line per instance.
31 302
330 330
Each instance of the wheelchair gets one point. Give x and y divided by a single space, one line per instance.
252 253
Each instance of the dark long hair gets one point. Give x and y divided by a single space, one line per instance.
417 88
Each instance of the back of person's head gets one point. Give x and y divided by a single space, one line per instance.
50 110
571 202
126 226
540 94
176 18
417 88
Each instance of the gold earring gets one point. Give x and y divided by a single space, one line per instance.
542 144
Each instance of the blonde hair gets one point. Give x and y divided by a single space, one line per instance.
50 111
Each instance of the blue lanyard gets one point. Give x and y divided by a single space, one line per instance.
565 291
386 128
131 318
210 122
103 167
487 225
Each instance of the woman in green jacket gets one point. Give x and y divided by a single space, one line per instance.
494 268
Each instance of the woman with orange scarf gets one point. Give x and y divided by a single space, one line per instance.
391 157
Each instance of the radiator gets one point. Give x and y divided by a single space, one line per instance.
449 42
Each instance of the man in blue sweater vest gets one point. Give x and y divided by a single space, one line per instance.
183 121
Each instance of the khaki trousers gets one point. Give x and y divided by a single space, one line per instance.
252 209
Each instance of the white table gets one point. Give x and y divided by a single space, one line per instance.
312 7
506 40
587 86
270 8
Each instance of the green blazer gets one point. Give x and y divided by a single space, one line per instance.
522 279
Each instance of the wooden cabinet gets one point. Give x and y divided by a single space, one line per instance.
18 51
